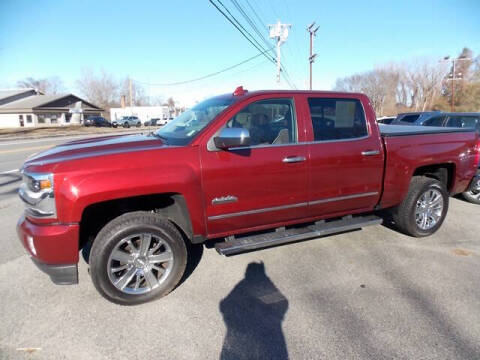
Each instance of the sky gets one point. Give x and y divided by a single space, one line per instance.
157 42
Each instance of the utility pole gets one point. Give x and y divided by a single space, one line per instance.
312 56
130 87
279 32
454 78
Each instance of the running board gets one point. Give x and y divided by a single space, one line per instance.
236 245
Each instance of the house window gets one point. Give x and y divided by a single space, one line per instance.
20 118
41 119
29 119
53 118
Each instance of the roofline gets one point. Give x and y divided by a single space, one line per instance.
64 96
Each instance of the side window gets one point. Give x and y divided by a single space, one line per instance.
435 121
409 118
454 121
336 119
470 122
268 121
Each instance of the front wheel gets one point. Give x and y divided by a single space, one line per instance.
137 257
423 210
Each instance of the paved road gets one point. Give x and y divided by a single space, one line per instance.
369 294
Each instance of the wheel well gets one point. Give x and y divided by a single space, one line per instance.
171 206
441 172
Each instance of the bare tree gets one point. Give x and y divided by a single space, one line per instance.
139 96
101 89
410 86
51 85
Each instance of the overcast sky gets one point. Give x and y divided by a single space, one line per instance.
168 41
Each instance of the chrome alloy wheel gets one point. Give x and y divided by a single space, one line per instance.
139 263
429 209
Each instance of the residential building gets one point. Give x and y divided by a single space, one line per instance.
29 108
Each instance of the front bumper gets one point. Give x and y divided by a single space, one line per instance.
53 248
475 183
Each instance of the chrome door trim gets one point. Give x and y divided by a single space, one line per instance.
256 211
346 197
283 207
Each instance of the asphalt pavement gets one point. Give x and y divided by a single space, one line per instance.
368 294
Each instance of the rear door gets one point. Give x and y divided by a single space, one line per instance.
263 184
346 157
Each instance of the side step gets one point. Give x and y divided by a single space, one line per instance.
236 245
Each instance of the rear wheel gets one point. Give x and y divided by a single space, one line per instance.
137 257
423 210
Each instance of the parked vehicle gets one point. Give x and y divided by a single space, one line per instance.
415 118
448 119
156 122
97 121
386 119
256 169
127 121
152 122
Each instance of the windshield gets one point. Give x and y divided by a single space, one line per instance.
183 128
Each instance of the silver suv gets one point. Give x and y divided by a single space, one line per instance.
127 121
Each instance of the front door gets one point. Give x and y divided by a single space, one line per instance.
260 185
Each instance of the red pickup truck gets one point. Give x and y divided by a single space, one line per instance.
245 170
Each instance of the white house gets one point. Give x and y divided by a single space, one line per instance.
29 108
144 113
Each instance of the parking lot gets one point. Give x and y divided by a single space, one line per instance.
365 294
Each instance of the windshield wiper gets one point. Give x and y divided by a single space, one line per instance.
165 139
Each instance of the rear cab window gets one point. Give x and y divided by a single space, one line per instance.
337 119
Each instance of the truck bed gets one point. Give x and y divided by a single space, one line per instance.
403 130
410 147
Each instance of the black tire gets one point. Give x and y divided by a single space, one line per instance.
404 214
472 197
126 125
113 233
139 124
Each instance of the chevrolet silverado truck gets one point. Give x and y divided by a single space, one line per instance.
243 171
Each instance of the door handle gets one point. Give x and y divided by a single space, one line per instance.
370 152
294 159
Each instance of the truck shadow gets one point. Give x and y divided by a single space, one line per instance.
7 179
8 184
253 313
195 253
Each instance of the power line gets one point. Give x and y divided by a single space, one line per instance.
283 68
205 76
250 37
251 22
257 45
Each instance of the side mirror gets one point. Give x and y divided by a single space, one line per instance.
232 137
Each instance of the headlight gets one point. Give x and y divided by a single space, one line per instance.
36 192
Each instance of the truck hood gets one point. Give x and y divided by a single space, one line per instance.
105 145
